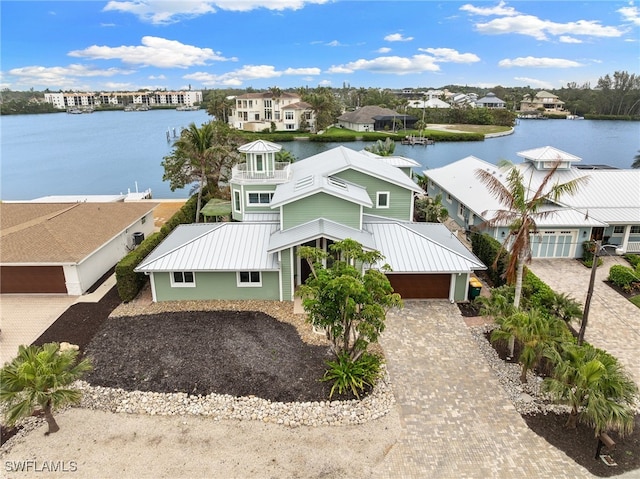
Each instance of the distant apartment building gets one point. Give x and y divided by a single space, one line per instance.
64 100
543 100
258 111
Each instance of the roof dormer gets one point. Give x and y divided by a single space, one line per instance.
546 157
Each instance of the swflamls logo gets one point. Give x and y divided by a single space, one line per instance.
33 465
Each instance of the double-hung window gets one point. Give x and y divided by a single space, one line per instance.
249 279
183 279
258 198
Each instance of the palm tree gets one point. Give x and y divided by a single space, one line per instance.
636 161
535 333
522 211
38 377
382 148
595 386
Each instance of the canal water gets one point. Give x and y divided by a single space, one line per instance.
112 152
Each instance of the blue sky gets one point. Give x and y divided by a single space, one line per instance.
127 45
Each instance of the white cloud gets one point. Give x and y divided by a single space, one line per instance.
153 51
157 77
391 64
397 37
534 82
538 62
334 43
248 72
568 39
383 50
500 9
630 14
451 55
61 77
172 11
539 29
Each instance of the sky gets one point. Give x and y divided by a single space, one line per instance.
177 44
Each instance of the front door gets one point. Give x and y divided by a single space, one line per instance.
597 234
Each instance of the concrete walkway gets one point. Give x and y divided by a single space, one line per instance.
456 420
614 322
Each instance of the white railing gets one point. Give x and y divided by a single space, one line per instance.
633 247
281 173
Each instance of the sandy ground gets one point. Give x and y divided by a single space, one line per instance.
97 444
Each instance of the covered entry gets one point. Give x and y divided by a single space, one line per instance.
421 286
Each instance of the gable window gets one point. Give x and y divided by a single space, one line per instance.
618 229
260 198
249 279
183 279
382 199
236 201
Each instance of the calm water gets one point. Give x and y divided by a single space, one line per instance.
108 152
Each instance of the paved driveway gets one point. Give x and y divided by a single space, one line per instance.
456 420
614 322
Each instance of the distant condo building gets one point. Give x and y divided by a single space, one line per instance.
64 100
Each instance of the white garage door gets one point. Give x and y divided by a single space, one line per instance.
554 244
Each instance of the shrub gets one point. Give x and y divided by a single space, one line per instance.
633 259
623 277
536 293
348 375
487 249
128 281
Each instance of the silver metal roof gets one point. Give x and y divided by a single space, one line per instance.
214 247
320 228
260 146
548 153
397 161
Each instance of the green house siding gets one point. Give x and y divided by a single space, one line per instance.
256 208
222 285
321 205
286 271
461 281
400 199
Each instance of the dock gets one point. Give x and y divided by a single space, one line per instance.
417 140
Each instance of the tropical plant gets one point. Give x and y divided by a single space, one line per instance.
352 375
431 209
285 156
38 377
595 386
636 161
204 155
348 304
534 332
564 307
382 148
523 208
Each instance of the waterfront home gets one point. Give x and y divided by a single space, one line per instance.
279 207
491 101
67 247
542 101
262 111
374 118
606 206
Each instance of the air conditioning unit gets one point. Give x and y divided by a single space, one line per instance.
138 238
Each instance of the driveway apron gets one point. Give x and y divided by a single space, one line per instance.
456 420
614 322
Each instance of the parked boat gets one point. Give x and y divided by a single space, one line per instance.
187 108
417 140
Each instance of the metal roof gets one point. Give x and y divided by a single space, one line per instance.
397 161
260 146
214 247
316 229
548 153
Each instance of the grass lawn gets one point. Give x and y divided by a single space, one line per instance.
635 300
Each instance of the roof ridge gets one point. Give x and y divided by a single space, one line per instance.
36 221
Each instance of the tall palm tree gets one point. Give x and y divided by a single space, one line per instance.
521 213
595 386
38 378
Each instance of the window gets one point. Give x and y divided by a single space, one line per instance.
618 229
288 115
635 229
260 198
249 279
449 198
462 209
382 200
236 201
259 163
290 126
183 279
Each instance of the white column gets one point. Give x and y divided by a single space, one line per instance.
625 238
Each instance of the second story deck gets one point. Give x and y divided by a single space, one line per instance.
280 173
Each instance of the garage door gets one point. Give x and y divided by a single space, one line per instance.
421 286
32 279
554 244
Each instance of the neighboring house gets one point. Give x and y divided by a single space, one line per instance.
257 112
277 208
430 103
491 101
66 247
461 100
374 118
606 206
543 100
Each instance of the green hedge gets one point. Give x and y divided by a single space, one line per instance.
487 249
128 282
623 277
537 293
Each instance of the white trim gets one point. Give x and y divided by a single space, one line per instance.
280 274
237 206
259 204
182 284
249 284
293 276
152 278
452 288
383 193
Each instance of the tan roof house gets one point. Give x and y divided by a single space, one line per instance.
542 101
66 247
374 118
258 111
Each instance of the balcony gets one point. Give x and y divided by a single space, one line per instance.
281 174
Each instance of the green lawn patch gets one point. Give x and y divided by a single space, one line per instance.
635 300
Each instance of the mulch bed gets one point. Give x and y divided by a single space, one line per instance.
260 356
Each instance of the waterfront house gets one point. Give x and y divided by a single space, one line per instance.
374 118
65 248
606 207
542 101
259 111
278 207
491 101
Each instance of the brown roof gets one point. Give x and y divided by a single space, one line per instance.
267 95
366 114
300 105
62 233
